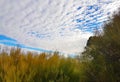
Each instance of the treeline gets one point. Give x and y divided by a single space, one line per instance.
100 62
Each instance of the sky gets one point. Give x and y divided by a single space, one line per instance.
52 25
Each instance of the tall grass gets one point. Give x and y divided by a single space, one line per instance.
17 66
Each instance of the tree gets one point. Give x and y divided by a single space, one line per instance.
102 54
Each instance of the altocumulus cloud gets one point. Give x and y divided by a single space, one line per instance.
63 25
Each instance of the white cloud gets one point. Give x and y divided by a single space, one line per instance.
51 24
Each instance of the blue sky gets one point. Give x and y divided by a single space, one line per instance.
48 25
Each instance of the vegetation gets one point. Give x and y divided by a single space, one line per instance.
100 62
16 66
102 54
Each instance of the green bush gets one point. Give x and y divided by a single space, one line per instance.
102 54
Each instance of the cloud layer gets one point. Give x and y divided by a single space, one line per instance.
63 25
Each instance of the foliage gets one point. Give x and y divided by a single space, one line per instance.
16 66
102 54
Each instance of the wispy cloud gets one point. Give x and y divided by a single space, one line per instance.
63 25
